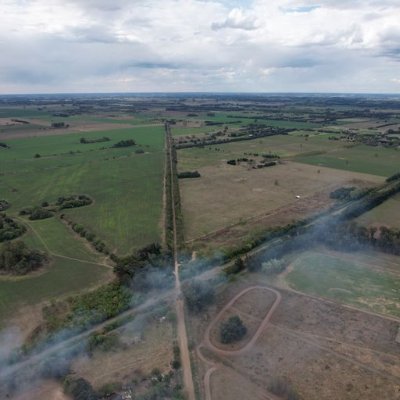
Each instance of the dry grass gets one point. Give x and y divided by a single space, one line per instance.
225 194
46 390
143 351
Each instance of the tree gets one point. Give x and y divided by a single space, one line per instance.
198 295
232 330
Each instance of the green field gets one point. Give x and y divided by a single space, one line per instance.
283 145
359 158
74 268
63 277
126 187
54 236
387 214
347 280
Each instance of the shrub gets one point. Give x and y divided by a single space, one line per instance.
232 330
79 389
273 266
189 174
10 229
17 259
198 295
40 213
238 266
97 140
125 143
4 204
393 177
73 201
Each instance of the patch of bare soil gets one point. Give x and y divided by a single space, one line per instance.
46 390
143 349
226 206
322 349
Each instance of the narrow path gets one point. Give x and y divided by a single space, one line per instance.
208 344
180 311
60 255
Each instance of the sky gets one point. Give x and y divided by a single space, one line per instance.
73 46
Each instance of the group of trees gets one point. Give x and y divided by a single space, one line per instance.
198 295
58 125
189 174
125 143
46 210
9 229
349 193
148 268
79 389
17 259
4 145
36 213
73 201
351 236
85 233
232 330
4 204
97 140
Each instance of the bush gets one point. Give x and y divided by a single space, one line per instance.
10 229
198 295
232 330
39 213
4 204
393 177
79 389
125 143
238 266
342 193
273 266
98 140
17 259
189 174
73 201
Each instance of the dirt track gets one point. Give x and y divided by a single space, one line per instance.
180 311
207 342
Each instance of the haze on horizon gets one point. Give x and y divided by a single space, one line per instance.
97 46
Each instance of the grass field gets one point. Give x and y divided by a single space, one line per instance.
359 158
53 236
228 194
387 213
63 277
283 145
73 268
126 187
348 280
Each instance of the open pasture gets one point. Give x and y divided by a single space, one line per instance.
144 344
226 194
386 214
62 277
309 344
358 158
126 187
285 146
369 283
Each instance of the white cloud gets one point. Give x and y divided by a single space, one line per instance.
261 45
237 19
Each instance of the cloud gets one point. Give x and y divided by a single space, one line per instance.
199 45
236 19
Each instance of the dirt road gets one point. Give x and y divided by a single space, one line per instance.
207 341
180 311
